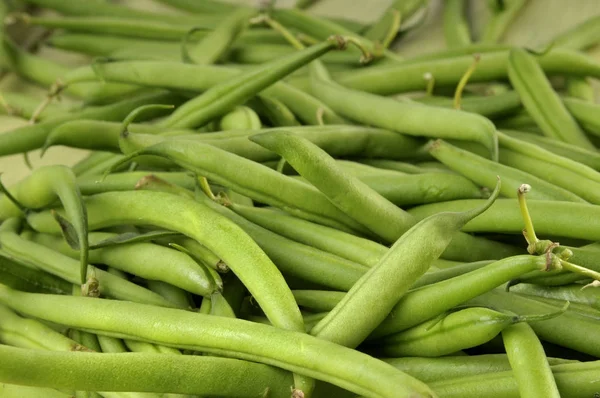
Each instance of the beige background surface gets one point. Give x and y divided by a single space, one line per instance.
538 22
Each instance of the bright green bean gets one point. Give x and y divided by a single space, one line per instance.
292 351
503 13
485 172
379 291
580 37
40 189
540 100
456 26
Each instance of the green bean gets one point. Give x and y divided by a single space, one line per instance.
408 76
259 53
322 29
46 72
94 134
274 111
23 105
200 7
116 47
483 171
41 189
294 351
26 138
348 194
404 190
415 250
573 380
571 330
101 8
148 260
178 373
198 78
92 160
540 100
407 8
451 367
41 257
240 118
456 331
580 88
405 117
243 176
17 391
141 346
91 184
456 26
331 240
212 230
222 97
201 254
555 174
139 28
585 113
402 167
111 344
29 333
86 339
528 362
550 217
540 154
429 301
503 13
580 309
215 43
580 155
19 276
173 294
580 37
571 293
337 140
491 106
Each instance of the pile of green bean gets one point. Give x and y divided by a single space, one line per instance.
277 204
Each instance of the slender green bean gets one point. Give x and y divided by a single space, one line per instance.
484 172
540 100
580 37
293 351
456 26
503 13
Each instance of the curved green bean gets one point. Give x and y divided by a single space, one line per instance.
456 26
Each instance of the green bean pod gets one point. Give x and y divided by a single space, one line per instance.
456 331
586 114
26 138
492 106
212 230
405 117
216 43
573 380
571 293
23 105
198 78
540 100
126 181
528 362
223 97
415 250
240 118
30 333
550 217
379 30
340 243
484 172
347 193
41 257
503 13
447 71
147 260
100 371
573 181
41 189
456 26
243 175
539 153
289 350
573 152
571 329
19 276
